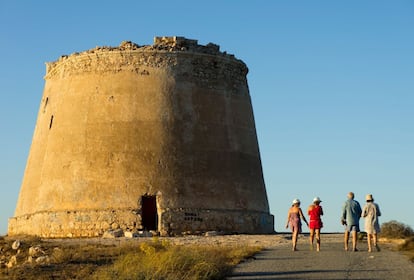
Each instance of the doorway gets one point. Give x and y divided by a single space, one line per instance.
149 212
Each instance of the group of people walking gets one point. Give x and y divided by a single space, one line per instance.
351 214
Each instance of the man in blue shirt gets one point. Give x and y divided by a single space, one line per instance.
351 213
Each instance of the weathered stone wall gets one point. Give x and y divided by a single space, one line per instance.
75 223
93 223
196 220
172 120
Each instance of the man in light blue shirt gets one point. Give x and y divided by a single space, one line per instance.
351 213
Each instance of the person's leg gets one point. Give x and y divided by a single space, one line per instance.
369 241
346 239
375 237
311 237
354 240
318 239
294 239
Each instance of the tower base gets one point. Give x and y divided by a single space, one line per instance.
170 222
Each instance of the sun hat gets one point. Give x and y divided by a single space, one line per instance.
317 199
369 197
296 201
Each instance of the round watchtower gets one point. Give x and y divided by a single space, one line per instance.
158 137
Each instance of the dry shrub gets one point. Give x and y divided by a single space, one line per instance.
61 256
408 248
394 229
397 230
157 260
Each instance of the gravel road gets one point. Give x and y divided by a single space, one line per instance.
332 262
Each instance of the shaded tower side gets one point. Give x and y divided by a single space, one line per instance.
159 137
218 161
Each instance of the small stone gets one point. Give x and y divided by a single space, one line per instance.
16 245
12 262
113 233
145 233
130 234
35 251
43 260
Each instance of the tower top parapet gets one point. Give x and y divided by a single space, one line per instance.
176 43
165 43
129 53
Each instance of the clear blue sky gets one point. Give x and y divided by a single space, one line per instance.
332 85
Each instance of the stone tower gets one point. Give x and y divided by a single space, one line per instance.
158 137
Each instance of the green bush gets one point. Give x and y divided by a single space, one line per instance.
394 229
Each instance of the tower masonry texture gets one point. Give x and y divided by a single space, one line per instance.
159 137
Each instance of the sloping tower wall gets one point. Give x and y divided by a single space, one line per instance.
120 129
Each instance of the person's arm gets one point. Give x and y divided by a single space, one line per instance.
343 217
287 221
378 210
321 211
364 211
359 209
303 217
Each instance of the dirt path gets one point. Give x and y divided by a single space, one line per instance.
279 262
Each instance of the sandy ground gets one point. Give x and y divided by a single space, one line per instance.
264 241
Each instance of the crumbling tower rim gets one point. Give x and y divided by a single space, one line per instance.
173 45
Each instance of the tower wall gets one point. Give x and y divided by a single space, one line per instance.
173 120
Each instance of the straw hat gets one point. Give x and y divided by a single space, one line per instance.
296 201
317 199
369 197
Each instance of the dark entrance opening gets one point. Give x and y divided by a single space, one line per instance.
149 212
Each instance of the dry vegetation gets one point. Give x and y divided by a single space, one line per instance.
160 260
150 259
397 230
154 259
394 229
